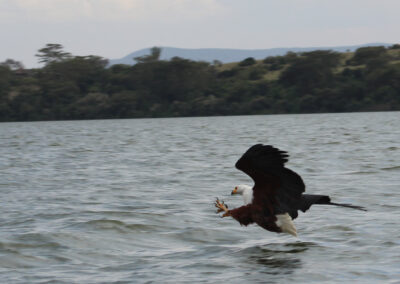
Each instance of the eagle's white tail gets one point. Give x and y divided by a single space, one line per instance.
286 224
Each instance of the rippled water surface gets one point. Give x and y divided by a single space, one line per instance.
131 201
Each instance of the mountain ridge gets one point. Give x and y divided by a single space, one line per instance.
227 55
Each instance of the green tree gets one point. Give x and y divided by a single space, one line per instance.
12 64
364 55
5 82
247 62
52 52
311 70
85 72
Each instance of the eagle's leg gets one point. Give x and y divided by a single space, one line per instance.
222 207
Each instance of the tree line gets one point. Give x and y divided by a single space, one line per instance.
84 87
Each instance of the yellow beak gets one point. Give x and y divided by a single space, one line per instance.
234 191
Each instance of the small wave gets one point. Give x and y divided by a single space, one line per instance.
22 254
16 260
360 173
36 239
80 150
389 205
390 243
332 143
196 234
25 245
302 244
392 148
338 228
120 226
394 168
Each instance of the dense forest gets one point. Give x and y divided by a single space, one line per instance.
85 87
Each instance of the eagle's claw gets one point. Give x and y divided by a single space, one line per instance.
222 207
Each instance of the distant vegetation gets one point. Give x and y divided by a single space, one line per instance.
83 87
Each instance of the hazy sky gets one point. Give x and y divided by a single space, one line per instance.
114 28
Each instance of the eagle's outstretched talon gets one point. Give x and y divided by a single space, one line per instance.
222 207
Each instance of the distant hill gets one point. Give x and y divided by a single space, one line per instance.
230 55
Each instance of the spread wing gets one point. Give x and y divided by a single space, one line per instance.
275 187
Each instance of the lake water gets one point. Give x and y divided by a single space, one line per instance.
131 201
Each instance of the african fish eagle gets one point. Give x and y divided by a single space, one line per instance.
277 194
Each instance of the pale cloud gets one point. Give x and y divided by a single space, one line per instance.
107 10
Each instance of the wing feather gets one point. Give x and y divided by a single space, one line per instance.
273 182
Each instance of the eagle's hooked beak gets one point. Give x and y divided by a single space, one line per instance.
234 191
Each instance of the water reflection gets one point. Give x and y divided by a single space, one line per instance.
277 259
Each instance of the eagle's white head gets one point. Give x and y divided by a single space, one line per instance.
246 191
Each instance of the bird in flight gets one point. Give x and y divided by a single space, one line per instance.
277 194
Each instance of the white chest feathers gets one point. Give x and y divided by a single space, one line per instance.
286 224
247 195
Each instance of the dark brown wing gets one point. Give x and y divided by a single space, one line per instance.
276 188
261 158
